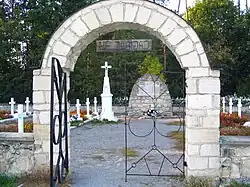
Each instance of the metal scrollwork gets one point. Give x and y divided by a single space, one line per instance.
58 124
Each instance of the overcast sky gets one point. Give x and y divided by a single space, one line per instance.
173 4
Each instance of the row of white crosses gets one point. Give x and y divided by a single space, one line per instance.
78 107
239 105
20 112
12 105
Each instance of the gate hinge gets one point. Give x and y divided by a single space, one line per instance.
185 164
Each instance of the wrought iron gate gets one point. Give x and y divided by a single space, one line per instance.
169 157
58 124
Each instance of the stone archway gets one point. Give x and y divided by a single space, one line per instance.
203 84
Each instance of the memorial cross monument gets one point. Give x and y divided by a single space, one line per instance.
107 112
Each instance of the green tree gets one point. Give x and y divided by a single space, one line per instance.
223 32
151 65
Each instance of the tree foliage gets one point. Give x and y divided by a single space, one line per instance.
224 31
222 27
152 65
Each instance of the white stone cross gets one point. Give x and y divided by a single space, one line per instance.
78 107
230 105
12 105
106 67
27 102
95 106
239 107
223 104
87 104
21 115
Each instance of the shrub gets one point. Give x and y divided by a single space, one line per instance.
83 113
198 182
8 181
4 114
231 120
28 127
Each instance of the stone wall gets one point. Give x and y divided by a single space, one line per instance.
16 153
235 156
150 92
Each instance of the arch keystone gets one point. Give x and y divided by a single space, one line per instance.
130 12
116 12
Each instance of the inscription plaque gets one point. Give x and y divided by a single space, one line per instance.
123 45
149 88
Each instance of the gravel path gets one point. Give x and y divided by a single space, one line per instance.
97 156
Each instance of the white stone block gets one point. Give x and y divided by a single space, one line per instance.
176 36
143 15
197 72
216 101
192 121
214 73
210 150
130 12
38 97
79 27
190 60
210 121
168 27
184 47
196 112
41 107
103 15
193 149
199 101
192 34
209 85
214 112
44 117
41 83
90 20
203 173
196 162
156 20
199 48
201 136
61 48
46 71
191 86
214 162
116 12
204 60
37 72
69 37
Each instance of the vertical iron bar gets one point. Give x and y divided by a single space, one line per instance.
51 123
183 122
66 164
126 133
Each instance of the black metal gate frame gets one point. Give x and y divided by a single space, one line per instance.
59 86
154 131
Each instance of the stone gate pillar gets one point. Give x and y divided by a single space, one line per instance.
41 115
202 122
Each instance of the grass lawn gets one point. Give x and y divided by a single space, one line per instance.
179 139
